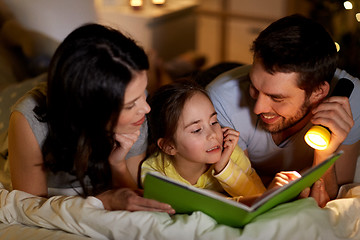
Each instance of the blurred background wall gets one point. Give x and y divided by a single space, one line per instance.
219 30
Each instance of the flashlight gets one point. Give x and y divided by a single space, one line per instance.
318 137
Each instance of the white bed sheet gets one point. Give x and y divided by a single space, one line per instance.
77 218
22 232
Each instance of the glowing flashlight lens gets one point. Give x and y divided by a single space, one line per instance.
317 137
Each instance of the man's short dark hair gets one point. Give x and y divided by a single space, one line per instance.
297 44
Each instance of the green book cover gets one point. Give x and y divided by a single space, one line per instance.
186 199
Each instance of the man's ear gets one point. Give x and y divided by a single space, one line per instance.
166 146
320 92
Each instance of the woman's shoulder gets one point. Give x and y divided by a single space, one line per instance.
140 145
31 98
26 105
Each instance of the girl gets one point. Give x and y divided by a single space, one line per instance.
84 130
189 145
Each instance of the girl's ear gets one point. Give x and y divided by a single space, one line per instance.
166 147
320 93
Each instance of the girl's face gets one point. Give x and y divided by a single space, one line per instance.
198 137
132 116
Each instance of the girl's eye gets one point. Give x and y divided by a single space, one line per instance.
196 131
215 122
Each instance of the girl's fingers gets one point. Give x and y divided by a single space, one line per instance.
290 175
230 131
284 177
230 135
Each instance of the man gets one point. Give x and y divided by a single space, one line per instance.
276 100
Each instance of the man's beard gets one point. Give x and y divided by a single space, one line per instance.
287 123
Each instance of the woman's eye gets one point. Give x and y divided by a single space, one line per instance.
129 106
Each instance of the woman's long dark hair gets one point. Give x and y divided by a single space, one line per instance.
87 79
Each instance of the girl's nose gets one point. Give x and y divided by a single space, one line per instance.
211 133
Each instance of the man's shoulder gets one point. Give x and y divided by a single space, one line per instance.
355 95
354 100
339 73
229 79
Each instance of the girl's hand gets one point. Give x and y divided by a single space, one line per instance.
283 178
131 200
231 137
125 142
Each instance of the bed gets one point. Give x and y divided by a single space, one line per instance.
25 216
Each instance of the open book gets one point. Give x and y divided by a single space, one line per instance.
187 199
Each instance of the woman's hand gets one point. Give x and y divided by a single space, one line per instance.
231 137
131 200
283 178
125 142
121 176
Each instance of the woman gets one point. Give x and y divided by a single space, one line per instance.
75 132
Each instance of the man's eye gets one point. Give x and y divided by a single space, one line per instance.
277 100
253 92
215 122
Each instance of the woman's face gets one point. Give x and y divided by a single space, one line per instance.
132 116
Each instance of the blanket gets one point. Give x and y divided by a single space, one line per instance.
300 219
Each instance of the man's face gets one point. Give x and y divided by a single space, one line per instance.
280 103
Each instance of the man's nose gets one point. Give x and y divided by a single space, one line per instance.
262 104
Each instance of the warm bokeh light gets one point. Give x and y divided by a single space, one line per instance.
136 3
158 2
337 46
358 17
348 5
